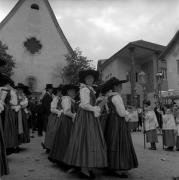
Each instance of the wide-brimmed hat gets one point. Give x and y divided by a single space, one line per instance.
4 79
49 86
108 85
66 87
84 73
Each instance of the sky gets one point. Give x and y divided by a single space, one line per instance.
100 28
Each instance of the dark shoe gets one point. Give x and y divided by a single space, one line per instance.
92 175
169 149
153 148
40 134
43 145
84 175
73 170
123 175
177 149
47 151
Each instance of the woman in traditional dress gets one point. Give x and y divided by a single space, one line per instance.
63 131
4 169
169 128
24 134
54 118
120 151
87 147
150 125
10 123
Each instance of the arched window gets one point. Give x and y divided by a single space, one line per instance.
35 6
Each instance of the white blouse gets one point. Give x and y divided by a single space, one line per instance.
66 105
119 105
54 104
85 99
168 122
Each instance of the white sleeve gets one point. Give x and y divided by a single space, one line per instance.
24 103
66 105
85 100
3 95
119 105
54 104
13 100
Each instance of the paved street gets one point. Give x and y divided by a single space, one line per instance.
32 164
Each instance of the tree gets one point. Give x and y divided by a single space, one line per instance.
10 62
75 63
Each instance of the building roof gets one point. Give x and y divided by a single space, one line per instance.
170 45
19 4
141 44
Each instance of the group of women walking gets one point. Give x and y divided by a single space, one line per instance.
87 130
14 129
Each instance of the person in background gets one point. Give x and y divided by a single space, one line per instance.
151 125
177 126
169 128
54 118
132 118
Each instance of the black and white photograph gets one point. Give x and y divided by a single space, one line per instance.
89 89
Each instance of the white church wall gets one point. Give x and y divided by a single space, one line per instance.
28 23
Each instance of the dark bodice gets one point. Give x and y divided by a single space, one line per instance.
59 104
8 97
92 98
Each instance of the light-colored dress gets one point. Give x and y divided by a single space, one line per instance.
151 124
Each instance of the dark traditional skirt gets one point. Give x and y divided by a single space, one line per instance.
10 128
132 125
45 121
87 147
53 124
25 136
61 139
121 153
169 138
3 161
151 136
103 120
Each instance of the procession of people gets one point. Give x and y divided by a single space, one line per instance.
83 126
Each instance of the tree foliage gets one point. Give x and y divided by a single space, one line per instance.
10 62
75 63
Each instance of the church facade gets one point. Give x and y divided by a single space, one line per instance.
36 42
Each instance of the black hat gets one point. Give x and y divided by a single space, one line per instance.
84 73
6 80
2 62
21 86
27 91
49 86
56 89
66 87
148 103
108 85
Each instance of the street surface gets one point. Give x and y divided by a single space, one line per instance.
32 163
